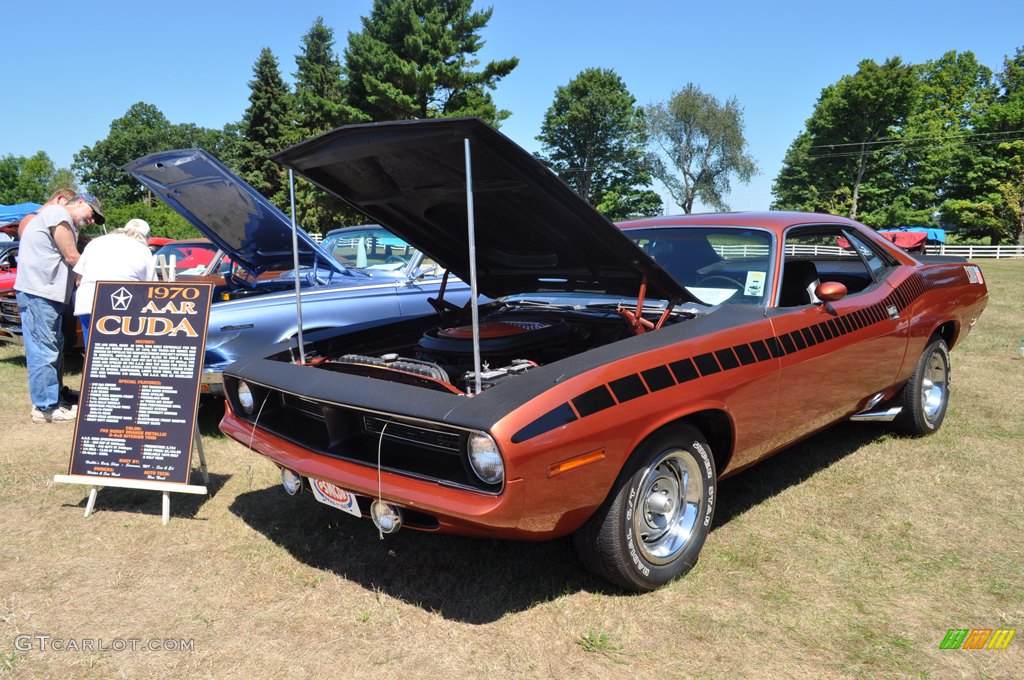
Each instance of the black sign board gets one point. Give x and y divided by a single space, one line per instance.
140 384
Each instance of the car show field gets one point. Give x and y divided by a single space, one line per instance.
850 554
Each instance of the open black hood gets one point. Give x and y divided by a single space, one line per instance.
228 211
533 232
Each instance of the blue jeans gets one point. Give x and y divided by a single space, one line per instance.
44 338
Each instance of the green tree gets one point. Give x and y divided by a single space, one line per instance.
593 137
952 95
697 146
267 127
319 106
31 179
163 220
988 199
416 59
826 168
142 130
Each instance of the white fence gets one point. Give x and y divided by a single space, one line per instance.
969 252
977 251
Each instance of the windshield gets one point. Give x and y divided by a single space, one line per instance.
718 265
372 248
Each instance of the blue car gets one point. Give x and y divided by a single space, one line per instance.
359 275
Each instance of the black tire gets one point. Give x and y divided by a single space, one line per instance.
925 397
638 539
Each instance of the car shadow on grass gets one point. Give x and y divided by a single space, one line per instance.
791 466
478 581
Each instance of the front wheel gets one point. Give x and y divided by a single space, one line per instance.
656 518
926 395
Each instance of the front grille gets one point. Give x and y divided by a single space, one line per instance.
9 310
428 436
307 406
428 451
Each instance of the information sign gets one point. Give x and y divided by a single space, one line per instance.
140 386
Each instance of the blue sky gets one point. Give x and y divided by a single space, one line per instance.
76 66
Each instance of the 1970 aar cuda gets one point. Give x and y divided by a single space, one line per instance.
624 371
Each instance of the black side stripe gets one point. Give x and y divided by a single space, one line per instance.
664 376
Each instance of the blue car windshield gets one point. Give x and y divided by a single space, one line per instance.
718 265
373 249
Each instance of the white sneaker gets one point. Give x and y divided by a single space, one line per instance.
57 415
63 414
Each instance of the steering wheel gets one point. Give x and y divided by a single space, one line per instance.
395 259
732 281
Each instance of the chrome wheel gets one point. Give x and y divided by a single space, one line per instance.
668 505
934 384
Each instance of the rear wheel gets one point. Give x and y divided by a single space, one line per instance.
926 395
654 522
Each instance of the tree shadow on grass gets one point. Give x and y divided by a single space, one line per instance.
476 580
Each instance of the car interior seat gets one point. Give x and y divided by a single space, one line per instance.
799 281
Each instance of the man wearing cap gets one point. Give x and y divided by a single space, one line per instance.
47 253
121 255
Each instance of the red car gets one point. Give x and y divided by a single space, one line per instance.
616 375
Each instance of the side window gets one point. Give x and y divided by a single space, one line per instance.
876 263
812 255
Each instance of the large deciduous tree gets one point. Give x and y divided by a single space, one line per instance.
142 130
988 199
31 179
698 146
267 127
593 137
416 59
826 166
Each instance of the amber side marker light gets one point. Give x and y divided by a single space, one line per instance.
577 462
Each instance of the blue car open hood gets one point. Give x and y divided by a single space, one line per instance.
533 232
229 212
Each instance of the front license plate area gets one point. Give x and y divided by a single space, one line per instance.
334 496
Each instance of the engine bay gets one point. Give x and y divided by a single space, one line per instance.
511 343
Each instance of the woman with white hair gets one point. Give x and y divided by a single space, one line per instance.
121 255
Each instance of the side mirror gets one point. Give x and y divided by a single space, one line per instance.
830 291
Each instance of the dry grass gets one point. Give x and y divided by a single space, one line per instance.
846 556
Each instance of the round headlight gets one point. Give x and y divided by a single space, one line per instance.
245 399
485 459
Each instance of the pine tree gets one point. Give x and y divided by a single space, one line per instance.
415 59
320 106
267 127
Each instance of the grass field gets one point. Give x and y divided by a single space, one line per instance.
849 555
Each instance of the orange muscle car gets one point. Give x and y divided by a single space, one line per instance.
614 374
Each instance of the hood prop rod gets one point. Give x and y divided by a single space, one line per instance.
636 319
295 262
471 223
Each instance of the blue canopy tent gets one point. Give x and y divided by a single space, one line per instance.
12 214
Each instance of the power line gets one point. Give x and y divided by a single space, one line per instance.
923 138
